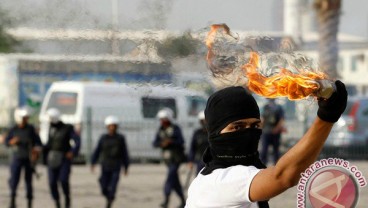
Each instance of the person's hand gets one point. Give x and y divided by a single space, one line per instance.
69 155
92 168
331 109
125 172
276 130
35 154
14 141
166 142
190 165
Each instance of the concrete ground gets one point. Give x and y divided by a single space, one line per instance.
141 188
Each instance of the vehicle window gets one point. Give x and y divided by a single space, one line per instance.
65 102
150 106
195 105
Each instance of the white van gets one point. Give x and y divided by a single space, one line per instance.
86 104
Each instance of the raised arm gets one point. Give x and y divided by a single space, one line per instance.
274 180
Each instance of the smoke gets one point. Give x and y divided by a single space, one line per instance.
229 52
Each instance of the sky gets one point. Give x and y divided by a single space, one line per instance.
251 15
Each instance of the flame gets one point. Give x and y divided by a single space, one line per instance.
212 36
283 84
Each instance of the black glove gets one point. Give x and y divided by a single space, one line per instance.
331 109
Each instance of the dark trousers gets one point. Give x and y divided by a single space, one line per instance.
274 141
109 182
61 175
15 171
172 181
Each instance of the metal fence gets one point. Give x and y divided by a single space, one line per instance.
140 132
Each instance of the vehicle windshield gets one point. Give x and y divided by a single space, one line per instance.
195 105
65 102
150 106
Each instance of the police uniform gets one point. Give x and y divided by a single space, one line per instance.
198 145
59 167
272 115
21 152
173 155
113 153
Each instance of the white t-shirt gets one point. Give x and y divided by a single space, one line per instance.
228 187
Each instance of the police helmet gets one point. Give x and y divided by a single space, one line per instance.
165 113
54 115
201 115
19 114
110 120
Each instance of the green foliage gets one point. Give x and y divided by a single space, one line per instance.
180 46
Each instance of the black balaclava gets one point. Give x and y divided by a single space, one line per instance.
233 148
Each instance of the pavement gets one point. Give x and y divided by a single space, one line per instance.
140 189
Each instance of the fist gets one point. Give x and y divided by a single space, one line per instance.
331 109
14 141
69 155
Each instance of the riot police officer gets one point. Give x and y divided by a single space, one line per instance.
198 144
113 153
26 145
170 139
59 154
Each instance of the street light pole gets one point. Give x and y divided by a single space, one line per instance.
115 45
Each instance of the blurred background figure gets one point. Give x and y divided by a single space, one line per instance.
273 125
113 153
26 146
59 154
170 139
198 144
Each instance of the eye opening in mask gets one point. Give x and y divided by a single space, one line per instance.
242 124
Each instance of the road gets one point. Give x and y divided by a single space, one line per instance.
141 188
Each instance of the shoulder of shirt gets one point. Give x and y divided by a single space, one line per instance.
13 128
235 169
122 136
30 126
176 127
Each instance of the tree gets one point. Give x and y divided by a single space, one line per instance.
180 46
7 42
328 14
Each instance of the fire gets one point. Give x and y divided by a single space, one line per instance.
212 36
283 84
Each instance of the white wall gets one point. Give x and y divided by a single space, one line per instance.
8 90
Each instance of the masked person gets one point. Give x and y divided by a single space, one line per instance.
170 139
113 152
198 144
273 122
234 176
24 142
59 154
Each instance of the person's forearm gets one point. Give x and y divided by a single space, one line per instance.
281 123
304 153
